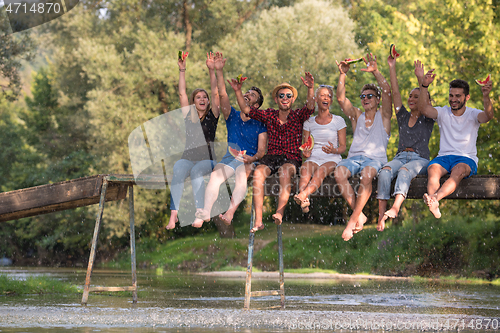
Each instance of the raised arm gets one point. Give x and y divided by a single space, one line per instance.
396 95
487 114
424 81
213 85
345 104
372 67
183 98
239 95
225 105
309 83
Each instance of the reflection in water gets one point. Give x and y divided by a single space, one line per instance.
207 295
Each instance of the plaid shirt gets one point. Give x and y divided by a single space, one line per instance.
283 139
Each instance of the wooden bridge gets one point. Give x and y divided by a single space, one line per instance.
102 188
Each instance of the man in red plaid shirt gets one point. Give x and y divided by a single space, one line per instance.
284 129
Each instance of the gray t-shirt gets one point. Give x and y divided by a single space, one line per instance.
416 137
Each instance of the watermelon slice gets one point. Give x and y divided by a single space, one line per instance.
240 78
392 52
182 55
308 145
350 61
485 81
236 152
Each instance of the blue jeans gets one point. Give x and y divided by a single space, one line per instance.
412 162
183 169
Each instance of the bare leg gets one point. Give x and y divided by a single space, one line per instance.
220 174
286 172
435 172
259 177
382 206
239 192
364 192
459 172
306 172
173 219
391 213
317 179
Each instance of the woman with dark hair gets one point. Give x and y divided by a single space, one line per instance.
413 150
198 159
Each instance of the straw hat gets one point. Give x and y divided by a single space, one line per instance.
282 86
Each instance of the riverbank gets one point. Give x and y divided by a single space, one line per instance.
225 320
460 249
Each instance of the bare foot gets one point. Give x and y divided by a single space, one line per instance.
257 228
348 231
277 218
198 223
426 199
360 223
226 218
172 221
390 214
303 203
434 207
202 214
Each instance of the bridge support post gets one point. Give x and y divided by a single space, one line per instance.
87 289
248 285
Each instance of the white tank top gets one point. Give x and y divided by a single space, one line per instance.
370 141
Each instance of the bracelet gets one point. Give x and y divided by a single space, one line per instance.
427 86
182 70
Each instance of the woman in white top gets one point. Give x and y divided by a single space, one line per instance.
329 133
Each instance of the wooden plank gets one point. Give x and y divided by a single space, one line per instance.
56 197
101 289
266 293
476 187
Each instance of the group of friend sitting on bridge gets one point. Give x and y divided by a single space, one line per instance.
281 131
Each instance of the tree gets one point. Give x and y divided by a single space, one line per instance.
13 49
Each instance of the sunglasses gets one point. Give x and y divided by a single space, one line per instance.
282 95
369 96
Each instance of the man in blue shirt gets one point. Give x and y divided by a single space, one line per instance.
243 133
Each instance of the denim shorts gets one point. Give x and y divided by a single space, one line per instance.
230 161
450 161
357 163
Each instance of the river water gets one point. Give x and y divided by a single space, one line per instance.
197 303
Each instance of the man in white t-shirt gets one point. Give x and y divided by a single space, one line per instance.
458 127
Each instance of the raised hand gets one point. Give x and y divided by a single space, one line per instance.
343 66
182 61
235 84
391 61
210 60
219 61
426 79
486 89
371 63
308 81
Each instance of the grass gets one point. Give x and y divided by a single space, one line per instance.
35 285
459 249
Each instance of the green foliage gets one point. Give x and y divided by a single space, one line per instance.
462 248
283 43
34 285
